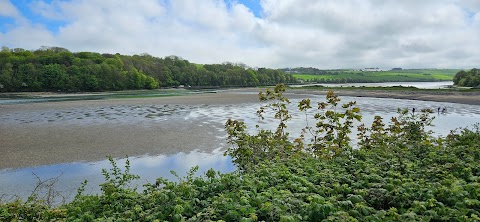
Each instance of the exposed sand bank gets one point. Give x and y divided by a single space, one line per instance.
41 143
471 98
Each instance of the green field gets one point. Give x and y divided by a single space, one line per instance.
410 75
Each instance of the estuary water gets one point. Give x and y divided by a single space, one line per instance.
67 177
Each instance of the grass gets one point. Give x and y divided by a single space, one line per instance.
410 75
199 66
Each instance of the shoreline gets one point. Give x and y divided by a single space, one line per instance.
452 96
469 98
31 144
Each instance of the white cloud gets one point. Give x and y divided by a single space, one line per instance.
325 34
46 10
470 5
28 37
378 33
8 10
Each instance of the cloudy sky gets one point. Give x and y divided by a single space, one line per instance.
259 33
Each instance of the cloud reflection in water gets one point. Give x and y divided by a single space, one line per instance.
21 182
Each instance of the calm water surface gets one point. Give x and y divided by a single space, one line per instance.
21 182
70 175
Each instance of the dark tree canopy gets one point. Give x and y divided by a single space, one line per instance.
58 69
467 78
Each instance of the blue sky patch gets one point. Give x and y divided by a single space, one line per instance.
6 23
470 17
254 6
24 8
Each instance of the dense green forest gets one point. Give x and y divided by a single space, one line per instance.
467 78
397 172
58 69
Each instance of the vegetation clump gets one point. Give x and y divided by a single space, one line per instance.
467 78
392 171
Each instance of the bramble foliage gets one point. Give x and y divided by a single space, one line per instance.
405 130
398 172
249 150
328 138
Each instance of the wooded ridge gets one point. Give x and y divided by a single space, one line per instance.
58 69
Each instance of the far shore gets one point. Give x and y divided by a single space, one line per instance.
452 96
27 145
470 98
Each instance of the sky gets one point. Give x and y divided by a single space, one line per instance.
259 33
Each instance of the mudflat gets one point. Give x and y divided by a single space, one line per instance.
470 98
33 134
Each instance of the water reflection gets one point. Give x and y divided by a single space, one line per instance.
457 115
22 182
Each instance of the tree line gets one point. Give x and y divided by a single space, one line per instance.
467 78
58 69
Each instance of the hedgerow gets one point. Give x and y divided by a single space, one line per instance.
396 171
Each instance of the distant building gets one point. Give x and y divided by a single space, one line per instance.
397 69
376 69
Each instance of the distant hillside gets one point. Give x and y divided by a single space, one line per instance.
58 69
371 75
